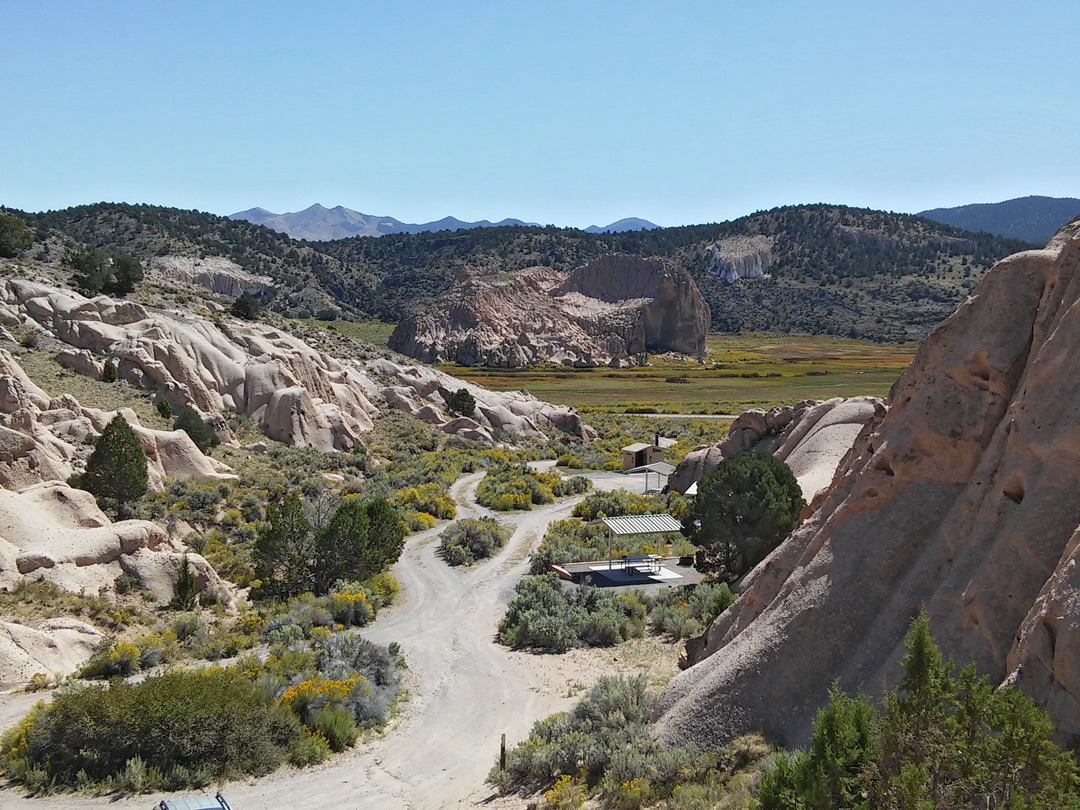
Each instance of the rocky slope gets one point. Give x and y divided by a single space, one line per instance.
610 311
45 438
961 499
811 437
831 269
295 393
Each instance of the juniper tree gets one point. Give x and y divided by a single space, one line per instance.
116 470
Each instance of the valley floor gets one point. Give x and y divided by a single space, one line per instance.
467 690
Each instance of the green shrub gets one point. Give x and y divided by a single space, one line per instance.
943 739
308 749
618 502
547 615
215 720
189 421
164 408
338 726
682 613
605 749
472 539
111 658
509 487
190 629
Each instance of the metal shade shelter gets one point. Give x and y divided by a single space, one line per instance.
639 524
658 467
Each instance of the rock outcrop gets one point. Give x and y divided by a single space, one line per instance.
44 438
739 257
53 532
295 393
425 392
55 647
213 273
608 312
811 437
962 500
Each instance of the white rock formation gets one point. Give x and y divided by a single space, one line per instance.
424 392
42 438
51 647
295 393
213 273
811 437
739 257
53 532
960 501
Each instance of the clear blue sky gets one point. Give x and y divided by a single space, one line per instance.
571 113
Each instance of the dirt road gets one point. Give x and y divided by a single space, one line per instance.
467 690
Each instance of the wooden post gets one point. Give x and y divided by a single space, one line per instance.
502 754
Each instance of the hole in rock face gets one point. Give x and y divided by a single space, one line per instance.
1014 489
884 465
871 493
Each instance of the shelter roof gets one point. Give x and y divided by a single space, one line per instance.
642 524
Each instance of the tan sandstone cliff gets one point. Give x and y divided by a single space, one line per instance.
962 499
610 312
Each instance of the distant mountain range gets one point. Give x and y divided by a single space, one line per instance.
321 224
1033 219
628 224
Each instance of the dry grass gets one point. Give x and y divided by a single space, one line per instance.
40 366
741 371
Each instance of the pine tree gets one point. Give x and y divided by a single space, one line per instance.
283 550
116 470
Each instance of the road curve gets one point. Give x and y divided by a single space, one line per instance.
466 689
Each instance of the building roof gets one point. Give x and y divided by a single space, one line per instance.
642 524
659 467
637 447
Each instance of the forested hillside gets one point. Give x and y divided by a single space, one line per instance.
832 270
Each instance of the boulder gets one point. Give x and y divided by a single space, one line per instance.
52 647
961 499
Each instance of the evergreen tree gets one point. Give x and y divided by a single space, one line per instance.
462 402
941 741
359 541
126 271
15 237
247 306
283 552
189 421
109 371
743 510
185 585
91 271
116 470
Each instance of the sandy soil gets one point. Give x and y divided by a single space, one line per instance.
466 690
